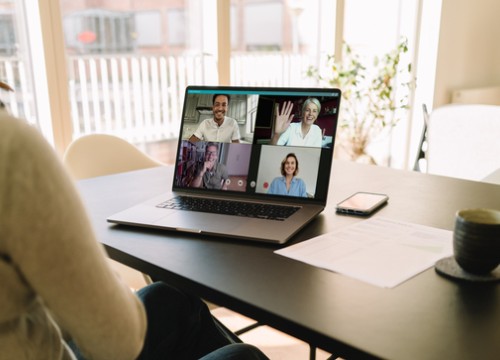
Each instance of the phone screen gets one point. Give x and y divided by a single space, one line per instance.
362 203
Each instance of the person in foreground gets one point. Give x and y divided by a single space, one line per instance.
220 128
59 299
303 133
288 184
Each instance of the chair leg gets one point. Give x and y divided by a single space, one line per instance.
423 139
227 333
248 328
312 352
147 278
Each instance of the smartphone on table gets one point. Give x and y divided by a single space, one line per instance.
362 203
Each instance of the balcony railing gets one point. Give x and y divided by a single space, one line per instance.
139 98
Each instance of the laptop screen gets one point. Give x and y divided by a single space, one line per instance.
257 142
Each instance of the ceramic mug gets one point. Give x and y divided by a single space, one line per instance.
476 240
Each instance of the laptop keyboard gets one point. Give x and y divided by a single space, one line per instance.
225 207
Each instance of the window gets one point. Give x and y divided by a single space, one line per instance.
100 31
7 35
129 63
123 56
16 65
176 22
263 26
148 28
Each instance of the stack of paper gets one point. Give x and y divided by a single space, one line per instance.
380 251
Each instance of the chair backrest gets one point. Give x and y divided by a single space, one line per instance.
101 154
464 141
483 95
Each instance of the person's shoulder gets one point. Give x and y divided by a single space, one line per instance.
295 127
316 128
274 184
22 145
231 120
16 132
206 122
9 123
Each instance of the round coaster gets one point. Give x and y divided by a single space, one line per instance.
449 268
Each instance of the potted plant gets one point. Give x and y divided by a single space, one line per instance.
374 99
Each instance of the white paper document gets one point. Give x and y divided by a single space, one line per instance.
380 251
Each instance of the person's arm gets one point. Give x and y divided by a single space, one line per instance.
303 188
49 237
198 134
282 121
225 176
194 139
275 138
198 179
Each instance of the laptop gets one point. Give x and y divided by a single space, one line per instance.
249 178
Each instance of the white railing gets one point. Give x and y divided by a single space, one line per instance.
20 103
139 98
271 69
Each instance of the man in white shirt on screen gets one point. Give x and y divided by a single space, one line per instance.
220 128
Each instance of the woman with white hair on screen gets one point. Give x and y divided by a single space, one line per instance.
303 133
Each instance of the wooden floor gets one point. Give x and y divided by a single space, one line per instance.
275 344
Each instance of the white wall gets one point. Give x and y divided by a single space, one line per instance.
469 47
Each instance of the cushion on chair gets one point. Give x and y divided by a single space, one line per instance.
464 141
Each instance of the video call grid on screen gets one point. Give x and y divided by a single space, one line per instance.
250 165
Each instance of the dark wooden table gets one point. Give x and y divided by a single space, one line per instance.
427 317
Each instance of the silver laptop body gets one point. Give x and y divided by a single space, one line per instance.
253 171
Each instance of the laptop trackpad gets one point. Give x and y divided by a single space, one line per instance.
197 222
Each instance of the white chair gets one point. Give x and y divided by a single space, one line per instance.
464 141
101 154
493 178
98 155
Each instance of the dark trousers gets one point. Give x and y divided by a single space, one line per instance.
181 327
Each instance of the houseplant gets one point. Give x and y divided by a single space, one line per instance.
374 98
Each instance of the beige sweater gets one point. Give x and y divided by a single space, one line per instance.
53 272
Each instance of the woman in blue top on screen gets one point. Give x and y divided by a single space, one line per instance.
303 133
288 184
